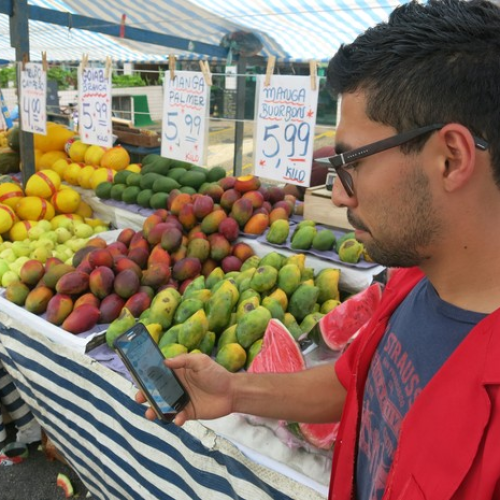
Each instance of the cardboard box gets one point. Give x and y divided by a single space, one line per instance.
318 206
136 137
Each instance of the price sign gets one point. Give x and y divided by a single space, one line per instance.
185 112
33 97
94 103
286 117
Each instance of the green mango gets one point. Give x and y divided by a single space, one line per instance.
193 330
214 277
124 322
278 232
273 259
163 307
289 278
252 326
252 261
303 238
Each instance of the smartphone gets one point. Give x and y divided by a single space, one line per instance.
144 360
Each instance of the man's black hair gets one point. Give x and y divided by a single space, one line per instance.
437 62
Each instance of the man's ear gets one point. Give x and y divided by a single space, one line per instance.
459 154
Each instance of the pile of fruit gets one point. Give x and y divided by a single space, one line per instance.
9 151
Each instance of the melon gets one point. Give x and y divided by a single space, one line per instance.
336 328
48 159
116 158
93 155
60 166
10 194
77 151
44 183
84 210
55 139
19 231
7 218
101 175
84 176
72 172
66 201
34 208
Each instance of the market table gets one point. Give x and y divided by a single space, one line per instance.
89 413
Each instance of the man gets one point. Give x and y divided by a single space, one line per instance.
419 390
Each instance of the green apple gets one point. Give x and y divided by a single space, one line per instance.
21 248
4 267
9 277
62 234
35 232
83 231
41 253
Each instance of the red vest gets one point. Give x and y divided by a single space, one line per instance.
449 444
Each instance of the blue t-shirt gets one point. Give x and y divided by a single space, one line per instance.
421 335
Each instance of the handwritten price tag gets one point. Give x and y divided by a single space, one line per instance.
286 117
95 106
33 96
185 112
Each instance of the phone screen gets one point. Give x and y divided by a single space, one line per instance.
145 361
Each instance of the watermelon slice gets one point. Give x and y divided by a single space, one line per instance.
321 436
335 329
280 352
64 483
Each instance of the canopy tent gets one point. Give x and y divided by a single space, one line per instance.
291 30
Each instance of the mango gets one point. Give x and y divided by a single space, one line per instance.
229 228
302 301
218 310
120 325
278 232
210 223
278 213
247 183
307 274
193 330
87 298
248 293
156 275
281 297
292 326
171 240
159 256
245 306
155 330
126 283
173 349
163 307
138 303
274 307
299 259
214 277
122 263
17 292
213 190
196 284
37 299
346 236
54 273
252 326
228 336
188 267
202 206
126 236
252 261
264 278
252 351
101 281
219 247
309 322
302 238
327 280
100 257
110 308
31 272
198 248
324 240
241 211
58 309
351 251
203 295
257 224
329 305
73 283
243 251
207 343
232 357
186 309
227 182
231 263
171 336
81 319
228 199
273 259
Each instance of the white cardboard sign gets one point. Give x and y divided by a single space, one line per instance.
33 98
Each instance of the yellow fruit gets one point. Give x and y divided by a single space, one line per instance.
38 157
95 222
77 151
63 220
134 167
93 155
84 176
155 330
66 201
10 194
19 231
101 175
44 183
60 166
71 173
7 218
54 140
34 208
48 159
116 158
84 210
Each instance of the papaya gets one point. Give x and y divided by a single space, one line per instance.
186 309
302 301
228 336
289 278
274 307
327 281
232 357
207 343
292 326
193 330
264 278
252 326
278 232
171 336
273 259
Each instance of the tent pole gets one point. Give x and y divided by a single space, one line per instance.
239 128
19 39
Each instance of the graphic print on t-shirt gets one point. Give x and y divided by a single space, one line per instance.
421 335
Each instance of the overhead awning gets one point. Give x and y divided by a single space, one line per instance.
300 30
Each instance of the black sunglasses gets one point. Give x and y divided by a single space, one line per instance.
341 162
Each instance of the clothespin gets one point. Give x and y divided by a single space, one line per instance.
108 67
25 60
313 70
269 70
205 69
122 26
85 60
171 66
44 61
